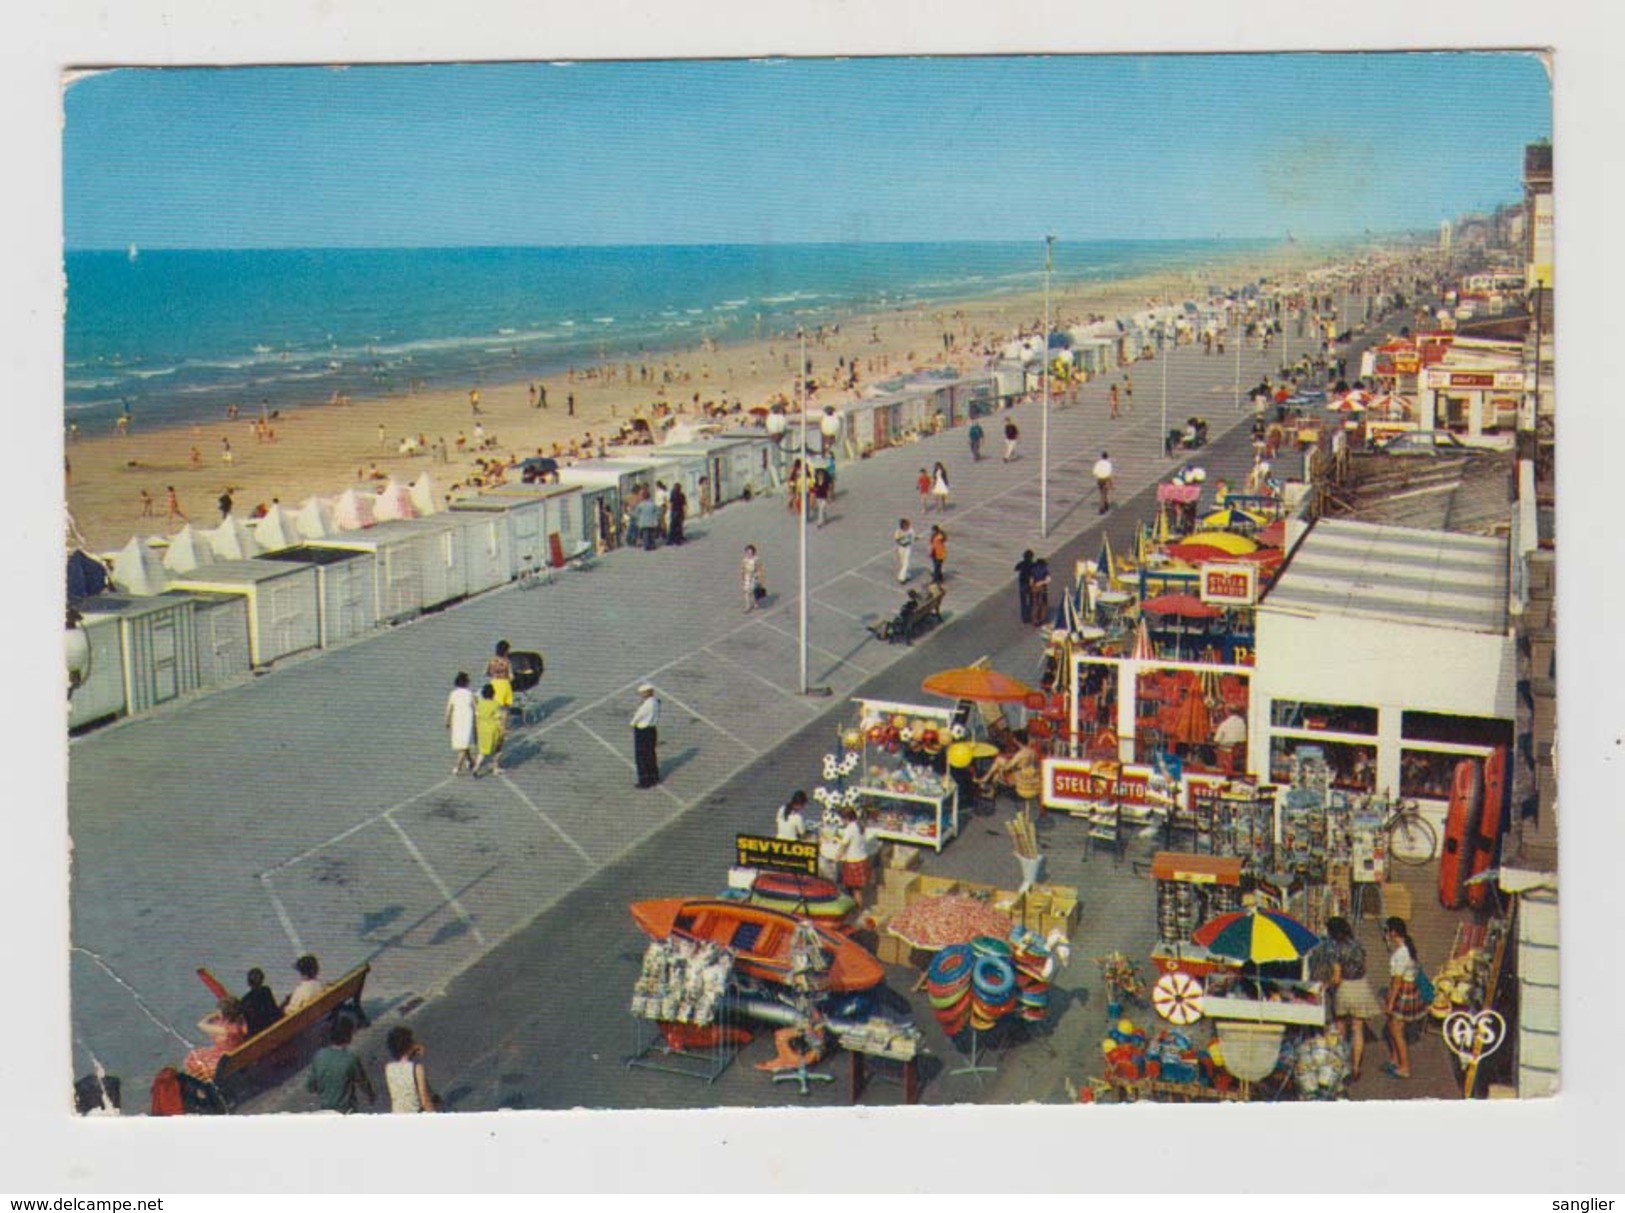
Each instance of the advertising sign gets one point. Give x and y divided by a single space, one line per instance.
1229 584
780 854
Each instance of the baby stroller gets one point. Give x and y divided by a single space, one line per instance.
527 672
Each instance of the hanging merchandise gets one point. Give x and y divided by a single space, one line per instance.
682 981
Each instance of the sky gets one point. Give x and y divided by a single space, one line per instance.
796 150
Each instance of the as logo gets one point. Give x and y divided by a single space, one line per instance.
1474 1037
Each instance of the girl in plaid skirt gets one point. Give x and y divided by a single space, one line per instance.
1404 1003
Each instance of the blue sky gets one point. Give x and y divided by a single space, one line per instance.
795 150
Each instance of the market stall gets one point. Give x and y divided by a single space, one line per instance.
902 779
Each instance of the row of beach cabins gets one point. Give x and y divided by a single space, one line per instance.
205 607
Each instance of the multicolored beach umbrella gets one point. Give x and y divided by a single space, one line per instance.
1260 936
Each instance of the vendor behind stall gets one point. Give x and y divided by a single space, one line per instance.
790 823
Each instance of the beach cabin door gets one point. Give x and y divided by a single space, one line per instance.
400 581
284 619
160 661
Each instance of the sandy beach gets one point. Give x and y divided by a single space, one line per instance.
324 448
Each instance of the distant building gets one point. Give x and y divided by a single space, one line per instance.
1444 236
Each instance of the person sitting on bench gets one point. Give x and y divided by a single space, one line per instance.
259 1004
308 990
226 1029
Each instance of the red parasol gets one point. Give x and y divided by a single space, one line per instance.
1197 553
1182 606
937 922
1273 535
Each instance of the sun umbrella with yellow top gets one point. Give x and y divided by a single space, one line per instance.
1232 516
1229 541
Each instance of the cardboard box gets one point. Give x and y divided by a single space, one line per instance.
891 950
1032 912
903 858
893 896
934 886
1064 915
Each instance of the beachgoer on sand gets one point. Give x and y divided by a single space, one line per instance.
174 505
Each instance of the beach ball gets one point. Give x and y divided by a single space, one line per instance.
906 736
899 722
959 754
877 734
852 739
958 732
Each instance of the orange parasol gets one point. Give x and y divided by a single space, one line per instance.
977 685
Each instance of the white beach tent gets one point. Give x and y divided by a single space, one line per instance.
353 510
424 498
136 570
187 550
393 503
232 540
275 529
314 520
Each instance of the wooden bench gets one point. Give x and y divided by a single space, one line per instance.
263 1058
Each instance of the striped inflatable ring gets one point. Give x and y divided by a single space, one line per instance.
993 978
943 1002
954 1024
951 964
986 945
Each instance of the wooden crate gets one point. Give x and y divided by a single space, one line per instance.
1037 905
895 894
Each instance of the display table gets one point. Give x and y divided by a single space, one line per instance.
863 1063
918 818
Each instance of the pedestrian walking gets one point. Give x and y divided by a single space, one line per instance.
146 505
499 672
1128 390
676 515
750 572
647 514
226 456
460 723
922 484
1011 436
795 486
474 401
490 727
225 504
173 504
903 546
976 435
337 1076
1024 585
939 487
533 395
1103 480
405 1079
1038 583
1111 400
820 494
939 552
646 735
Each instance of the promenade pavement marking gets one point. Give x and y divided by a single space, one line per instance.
785 632
530 804
282 914
356 828
745 669
434 879
141 1003
704 719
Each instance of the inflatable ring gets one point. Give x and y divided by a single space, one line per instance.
986 945
993 978
952 964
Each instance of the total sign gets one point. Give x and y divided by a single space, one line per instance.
1229 584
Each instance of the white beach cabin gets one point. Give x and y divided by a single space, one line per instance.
101 695
562 514
157 638
283 616
419 564
347 602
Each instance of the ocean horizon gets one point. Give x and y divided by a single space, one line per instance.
175 335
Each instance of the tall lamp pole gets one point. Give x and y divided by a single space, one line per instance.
1043 453
1167 349
803 487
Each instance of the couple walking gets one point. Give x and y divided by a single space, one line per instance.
903 550
933 487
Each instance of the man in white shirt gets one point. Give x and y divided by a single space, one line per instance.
645 734
1103 480
903 546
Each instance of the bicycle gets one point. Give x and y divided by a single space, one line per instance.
1412 840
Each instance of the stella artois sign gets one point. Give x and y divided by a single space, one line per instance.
1228 585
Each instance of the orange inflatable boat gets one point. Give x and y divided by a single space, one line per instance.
759 937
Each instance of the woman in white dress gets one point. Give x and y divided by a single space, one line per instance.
404 1075
460 723
750 574
939 487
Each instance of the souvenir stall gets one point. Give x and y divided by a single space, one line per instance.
902 780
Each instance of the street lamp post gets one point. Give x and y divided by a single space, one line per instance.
1167 350
801 487
1043 445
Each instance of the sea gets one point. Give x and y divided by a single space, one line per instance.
174 336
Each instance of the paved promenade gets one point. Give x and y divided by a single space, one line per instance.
312 809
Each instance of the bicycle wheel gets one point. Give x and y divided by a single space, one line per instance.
1412 840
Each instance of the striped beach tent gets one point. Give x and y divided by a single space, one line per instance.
353 510
393 503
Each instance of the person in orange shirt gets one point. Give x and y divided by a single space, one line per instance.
939 553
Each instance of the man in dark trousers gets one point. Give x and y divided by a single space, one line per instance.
645 736
1024 584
